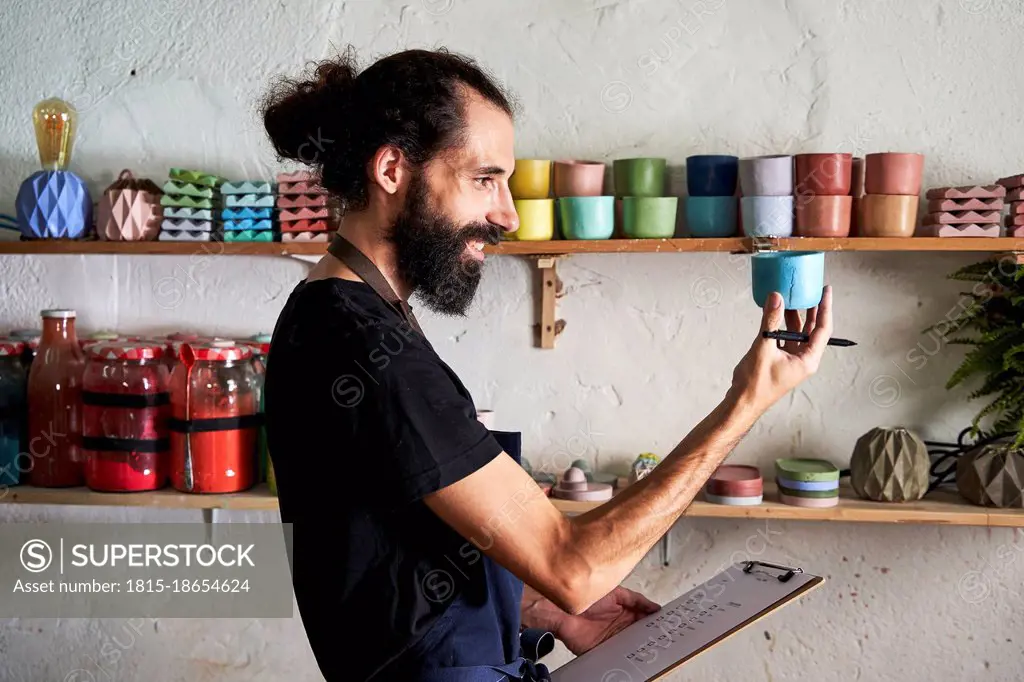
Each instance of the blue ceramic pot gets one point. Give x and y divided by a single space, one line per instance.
712 175
798 275
767 216
711 216
54 205
587 217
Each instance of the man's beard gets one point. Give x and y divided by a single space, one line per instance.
431 253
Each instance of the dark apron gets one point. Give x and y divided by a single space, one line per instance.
487 630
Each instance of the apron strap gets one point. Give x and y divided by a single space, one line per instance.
356 260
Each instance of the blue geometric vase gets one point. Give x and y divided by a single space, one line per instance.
54 205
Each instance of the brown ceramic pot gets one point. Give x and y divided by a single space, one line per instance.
823 216
893 173
578 178
888 215
829 174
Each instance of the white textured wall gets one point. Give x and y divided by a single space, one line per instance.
651 339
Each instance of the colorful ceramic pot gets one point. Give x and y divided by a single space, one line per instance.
798 275
536 220
767 216
54 205
823 173
129 210
578 178
587 217
711 175
711 216
888 215
823 216
641 177
767 176
531 179
649 217
893 173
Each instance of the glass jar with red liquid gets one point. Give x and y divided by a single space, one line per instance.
214 420
125 408
55 405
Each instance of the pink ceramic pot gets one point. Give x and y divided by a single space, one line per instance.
578 178
893 173
823 216
829 174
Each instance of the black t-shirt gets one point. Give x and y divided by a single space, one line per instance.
363 420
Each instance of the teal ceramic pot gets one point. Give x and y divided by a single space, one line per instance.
587 217
798 275
649 217
640 177
711 216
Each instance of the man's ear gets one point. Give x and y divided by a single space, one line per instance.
388 169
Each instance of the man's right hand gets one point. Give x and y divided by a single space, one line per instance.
767 372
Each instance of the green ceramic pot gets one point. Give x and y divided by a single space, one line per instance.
649 217
641 177
587 217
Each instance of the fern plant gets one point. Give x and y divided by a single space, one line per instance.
991 321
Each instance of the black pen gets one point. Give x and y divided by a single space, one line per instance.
803 338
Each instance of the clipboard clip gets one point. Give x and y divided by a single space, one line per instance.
785 577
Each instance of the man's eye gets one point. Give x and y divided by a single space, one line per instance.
485 181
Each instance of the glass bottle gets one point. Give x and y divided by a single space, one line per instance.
13 386
55 405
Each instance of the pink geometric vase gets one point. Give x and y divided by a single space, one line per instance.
130 210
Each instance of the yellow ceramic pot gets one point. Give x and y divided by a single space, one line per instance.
531 179
536 220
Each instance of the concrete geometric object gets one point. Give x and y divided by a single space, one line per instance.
807 482
302 201
890 465
573 486
187 189
242 214
531 179
967 217
986 230
888 215
183 236
1014 220
54 203
578 178
1016 207
736 485
182 201
823 216
187 225
129 210
246 187
711 175
288 188
291 215
893 173
587 217
713 217
830 174
195 177
639 177
249 200
649 217
249 236
967 192
770 216
766 176
940 205
1011 182
643 465
305 226
177 212
992 476
1015 194
798 275
304 237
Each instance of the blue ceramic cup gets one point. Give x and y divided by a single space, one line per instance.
767 216
712 175
711 216
587 217
798 275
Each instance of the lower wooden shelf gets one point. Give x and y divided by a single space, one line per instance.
939 508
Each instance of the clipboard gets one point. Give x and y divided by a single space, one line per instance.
683 629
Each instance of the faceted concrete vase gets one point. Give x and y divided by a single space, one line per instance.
54 205
129 210
992 476
890 465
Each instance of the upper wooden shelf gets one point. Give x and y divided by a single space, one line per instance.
941 508
554 247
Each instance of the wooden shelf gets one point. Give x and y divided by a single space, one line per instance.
259 498
940 508
515 248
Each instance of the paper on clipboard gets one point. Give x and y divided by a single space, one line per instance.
691 624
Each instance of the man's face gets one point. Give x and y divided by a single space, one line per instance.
459 202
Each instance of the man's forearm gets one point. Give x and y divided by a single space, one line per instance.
608 541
